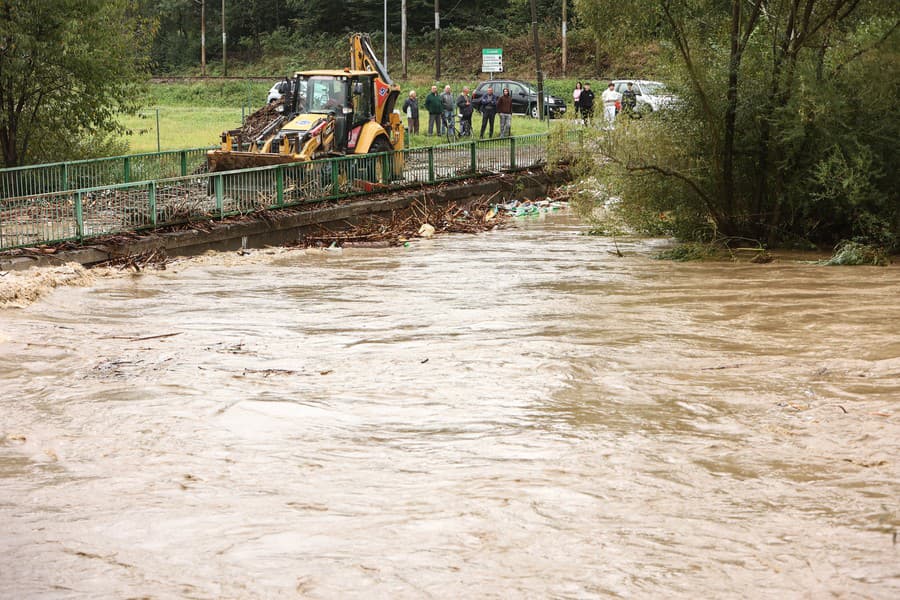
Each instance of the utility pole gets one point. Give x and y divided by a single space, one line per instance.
385 35
564 39
437 40
403 37
537 62
203 38
224 42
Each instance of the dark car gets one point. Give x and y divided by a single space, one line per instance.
524 97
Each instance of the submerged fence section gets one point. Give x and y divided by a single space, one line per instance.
146 191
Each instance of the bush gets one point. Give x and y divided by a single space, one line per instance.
854 253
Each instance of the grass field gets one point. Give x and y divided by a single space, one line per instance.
179 127
194 115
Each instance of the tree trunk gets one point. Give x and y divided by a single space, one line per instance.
8 146
403 37
734 63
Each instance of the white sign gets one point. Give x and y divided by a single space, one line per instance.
492 60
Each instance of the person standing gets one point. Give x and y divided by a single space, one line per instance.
411 108
610 97
586 99
629 101
447 104
433 106
504 107
576 97
464 104
488 105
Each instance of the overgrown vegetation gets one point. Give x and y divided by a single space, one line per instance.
274 36
784 129
854 253
67 67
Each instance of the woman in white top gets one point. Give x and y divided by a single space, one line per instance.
610 97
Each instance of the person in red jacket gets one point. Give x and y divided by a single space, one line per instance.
504 109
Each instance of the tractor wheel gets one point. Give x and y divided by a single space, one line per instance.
382 166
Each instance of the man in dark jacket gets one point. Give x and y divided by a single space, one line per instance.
464 104
629 102
488 105
411 110
434 106
587 103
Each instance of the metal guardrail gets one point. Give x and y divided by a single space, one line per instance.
109 208
34 180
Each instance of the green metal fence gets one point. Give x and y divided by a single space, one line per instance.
61 177
107 208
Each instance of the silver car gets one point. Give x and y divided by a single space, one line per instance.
278 90
651 95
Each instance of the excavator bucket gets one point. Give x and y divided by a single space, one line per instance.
218 160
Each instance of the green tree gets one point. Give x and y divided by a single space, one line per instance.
67 67
785 122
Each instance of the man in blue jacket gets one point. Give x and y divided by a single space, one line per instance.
488 105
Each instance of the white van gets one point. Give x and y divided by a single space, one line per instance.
651 95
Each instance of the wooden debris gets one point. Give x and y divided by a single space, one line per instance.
402 225
141 339
156 258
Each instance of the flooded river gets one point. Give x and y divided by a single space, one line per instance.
519 414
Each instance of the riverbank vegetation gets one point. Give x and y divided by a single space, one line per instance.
784 129
67 68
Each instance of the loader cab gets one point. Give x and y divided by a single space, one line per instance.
349 98
325 94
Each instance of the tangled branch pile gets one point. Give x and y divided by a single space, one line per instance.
157 258
421 219
256 123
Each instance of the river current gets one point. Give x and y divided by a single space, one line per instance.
517 414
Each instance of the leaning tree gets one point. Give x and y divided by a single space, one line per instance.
67 67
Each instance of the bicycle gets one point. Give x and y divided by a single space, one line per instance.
449 128
465 126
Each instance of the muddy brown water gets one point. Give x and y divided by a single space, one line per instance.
519 414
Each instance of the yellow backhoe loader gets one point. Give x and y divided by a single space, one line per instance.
325 113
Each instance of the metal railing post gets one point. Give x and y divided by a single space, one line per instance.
183 163
220 194
335 180
279 185
127 169
473 147
65 177
512 153
79 217
430 164
151 201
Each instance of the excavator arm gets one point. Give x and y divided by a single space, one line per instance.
363 58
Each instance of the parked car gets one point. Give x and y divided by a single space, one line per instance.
524 97
278 90
651 95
